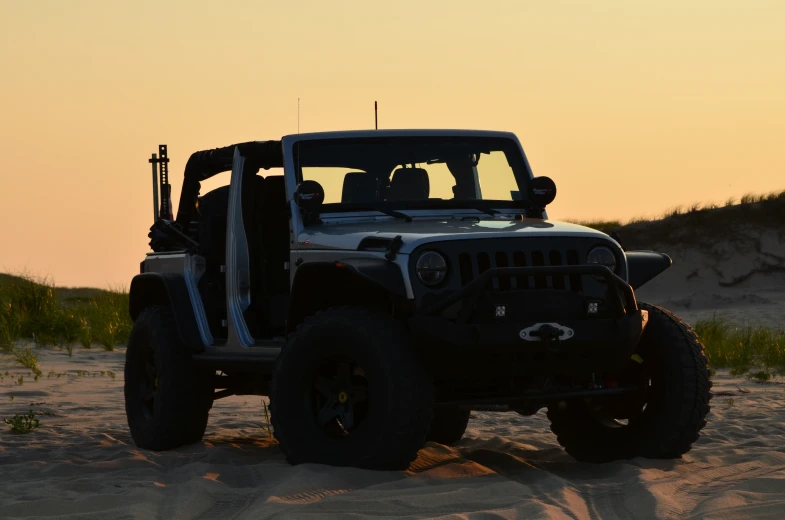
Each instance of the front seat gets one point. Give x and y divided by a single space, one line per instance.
409 184
358 187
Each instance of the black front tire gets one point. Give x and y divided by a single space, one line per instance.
448 425
386 423
167 397
676 403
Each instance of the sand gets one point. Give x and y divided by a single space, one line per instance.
760 300
81 462
739 277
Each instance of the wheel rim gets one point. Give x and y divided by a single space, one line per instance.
633 415
634 412
148 383
339 396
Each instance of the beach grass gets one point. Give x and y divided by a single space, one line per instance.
24 423
28 359
755 351
33 309
750 209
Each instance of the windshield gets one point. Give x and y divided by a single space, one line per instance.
413 172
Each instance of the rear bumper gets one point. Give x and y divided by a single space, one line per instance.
575 343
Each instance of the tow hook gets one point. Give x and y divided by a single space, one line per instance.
550 336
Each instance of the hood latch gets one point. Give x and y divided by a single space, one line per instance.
392 250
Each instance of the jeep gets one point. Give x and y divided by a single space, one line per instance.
380 285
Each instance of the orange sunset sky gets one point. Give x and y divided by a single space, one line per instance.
632 107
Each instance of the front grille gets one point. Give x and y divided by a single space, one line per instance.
467 259
472 265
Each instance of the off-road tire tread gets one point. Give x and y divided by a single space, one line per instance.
415 396
185 392
666 441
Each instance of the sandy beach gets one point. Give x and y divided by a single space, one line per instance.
81 463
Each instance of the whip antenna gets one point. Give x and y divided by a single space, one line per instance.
376 114
298 115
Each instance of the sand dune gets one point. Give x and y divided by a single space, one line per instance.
736 272
81 463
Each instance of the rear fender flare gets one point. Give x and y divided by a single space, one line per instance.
168 289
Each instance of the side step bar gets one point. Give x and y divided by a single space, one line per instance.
261 361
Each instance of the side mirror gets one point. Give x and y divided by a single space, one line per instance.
542 191
309 196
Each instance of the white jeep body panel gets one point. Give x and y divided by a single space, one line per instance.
347 236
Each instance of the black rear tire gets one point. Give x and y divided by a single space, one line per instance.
448 425
167 397
676 402
383 397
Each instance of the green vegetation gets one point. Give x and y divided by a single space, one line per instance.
743 349
24 423
696 222
35 309
28 359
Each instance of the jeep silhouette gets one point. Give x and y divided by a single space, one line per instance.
380 285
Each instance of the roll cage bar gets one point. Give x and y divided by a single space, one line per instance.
207 163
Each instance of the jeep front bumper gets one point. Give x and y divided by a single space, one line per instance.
531 339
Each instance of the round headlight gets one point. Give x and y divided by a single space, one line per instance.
603 256
431 268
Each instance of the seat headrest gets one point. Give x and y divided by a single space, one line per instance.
276 183
275 192
358 187
409 184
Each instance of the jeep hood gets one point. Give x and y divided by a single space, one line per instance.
348 236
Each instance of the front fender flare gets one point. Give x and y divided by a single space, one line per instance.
382 273
318 285
643 266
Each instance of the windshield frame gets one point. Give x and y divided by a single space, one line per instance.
497 141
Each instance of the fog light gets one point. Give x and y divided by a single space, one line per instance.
501 311
593 308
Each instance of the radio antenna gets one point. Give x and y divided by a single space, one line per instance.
376 114
298 115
